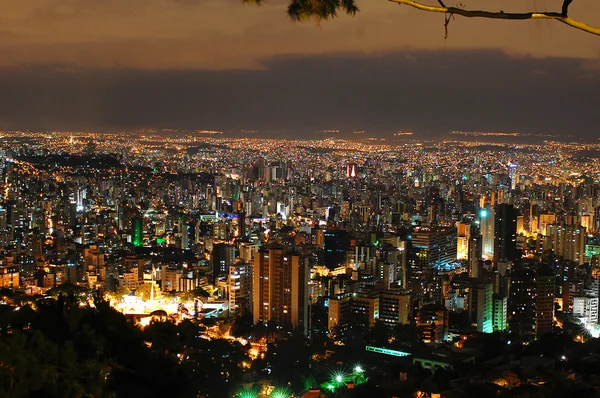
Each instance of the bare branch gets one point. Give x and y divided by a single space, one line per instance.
559 16
565 8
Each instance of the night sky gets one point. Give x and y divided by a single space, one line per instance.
217 64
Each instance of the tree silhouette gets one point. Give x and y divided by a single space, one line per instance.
303 10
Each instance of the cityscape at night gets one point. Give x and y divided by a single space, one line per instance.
309 267
299 199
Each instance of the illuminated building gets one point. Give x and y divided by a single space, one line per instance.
137 231
462 242
430 248
512 174
350 170
481 305
531 303
568 241
280 288
240 287
394 307
432 321
499 313
487 218
9 277
357 307
544 220
586 309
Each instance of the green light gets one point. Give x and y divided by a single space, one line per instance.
248 393
339 378
331 387
358 369
137 232
280 393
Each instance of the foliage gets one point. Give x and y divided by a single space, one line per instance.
242 325
144 291
62 349
304 10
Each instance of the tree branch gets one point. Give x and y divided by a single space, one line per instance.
559 16
565 7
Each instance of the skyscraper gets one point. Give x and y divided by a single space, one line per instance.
223 256
240 287
475 252
336 242
430 248
280 288
531 303
137 231
500 313
568 241
505 233
487 218
481 305
512 174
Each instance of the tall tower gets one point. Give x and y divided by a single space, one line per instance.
531 303
240 287
481 305
475 252
568 241
512 174
487 218
430 248
137 231
505 233
280 288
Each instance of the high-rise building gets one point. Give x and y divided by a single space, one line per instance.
568 241
430 248
531 303
280 288
350 170
475 253
394 307
137 231
223 256
486 219
545 301
586 309
240 287
336 242
505 233
512 174
462 242
481 305
500 313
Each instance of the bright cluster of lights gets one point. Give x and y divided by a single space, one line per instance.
594 330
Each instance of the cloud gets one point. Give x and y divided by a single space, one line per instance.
379 93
